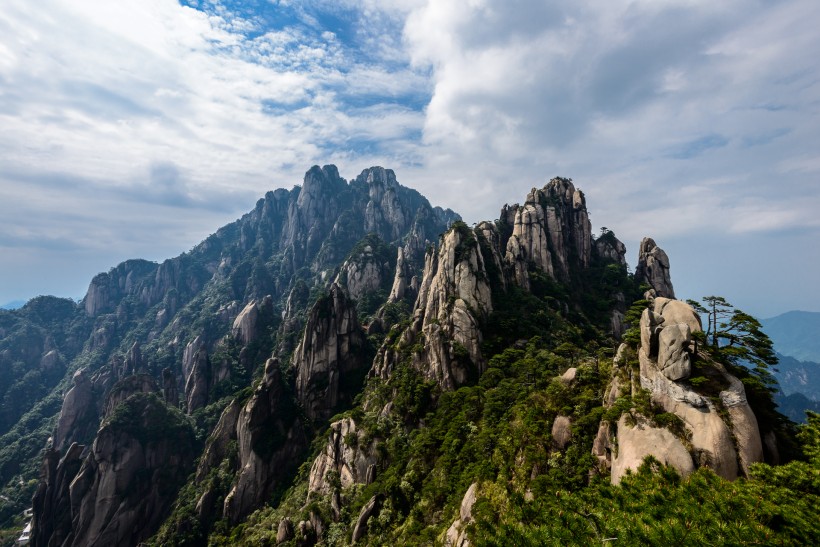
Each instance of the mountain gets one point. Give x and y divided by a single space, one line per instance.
795 334
348 364
13 305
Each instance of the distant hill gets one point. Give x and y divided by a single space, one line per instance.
797 376
13 305
796 334
796 339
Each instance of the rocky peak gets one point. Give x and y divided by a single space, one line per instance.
270 439
610 248
78 408
314 212
454 298
385 213
550 231
106 289
653 268
124 488
330 355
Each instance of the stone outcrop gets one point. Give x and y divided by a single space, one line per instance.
653 268
665 358
402 279
245 324
52 518
561 432
77 410
125 388
330 356
456 535
198 380
217 446
636 442
611 249
125 486
270 439
354 463
454 296
368 510
367 270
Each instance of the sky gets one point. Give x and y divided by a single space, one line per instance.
136 128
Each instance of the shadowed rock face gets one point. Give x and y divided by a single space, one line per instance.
124 487
270 440
330 355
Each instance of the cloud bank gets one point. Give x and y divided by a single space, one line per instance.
694 122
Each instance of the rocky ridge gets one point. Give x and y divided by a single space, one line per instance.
291 285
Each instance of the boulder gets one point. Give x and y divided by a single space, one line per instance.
561 432
637 442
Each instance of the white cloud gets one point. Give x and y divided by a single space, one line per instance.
680 119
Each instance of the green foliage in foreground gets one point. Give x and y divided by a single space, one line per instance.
776 506
655 507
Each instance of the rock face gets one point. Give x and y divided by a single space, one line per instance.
354 463
370 508
125 486
454 296
550 231
561 432
653 268
330 357
270 440
125 388
52 519
368 269
641 440
457 535
611 249
247 325
199 376
76 411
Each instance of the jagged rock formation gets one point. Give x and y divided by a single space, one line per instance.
124 487
270 439
202 325
347 455
53 495
454 297
551 231
330 356
77 405
653 268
